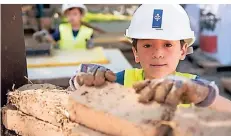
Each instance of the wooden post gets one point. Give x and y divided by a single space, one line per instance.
13 55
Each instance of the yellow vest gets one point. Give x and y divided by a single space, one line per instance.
134 75
68 41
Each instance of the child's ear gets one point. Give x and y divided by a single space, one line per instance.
135 55
184 51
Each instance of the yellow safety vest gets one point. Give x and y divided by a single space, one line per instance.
134 75
69 42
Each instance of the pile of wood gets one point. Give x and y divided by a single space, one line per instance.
226 83
37 110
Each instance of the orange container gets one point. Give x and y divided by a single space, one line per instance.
208 43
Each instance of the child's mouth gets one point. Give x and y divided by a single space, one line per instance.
157 65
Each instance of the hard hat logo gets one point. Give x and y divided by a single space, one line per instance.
157 18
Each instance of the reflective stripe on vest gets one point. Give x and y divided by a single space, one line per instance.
134 75
67 40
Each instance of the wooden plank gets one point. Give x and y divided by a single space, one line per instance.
41 106
13 64
117 107
43 103
114 109
112 106
210 65
68 58
53 75
61 81
226 82
202 122
26 125
203 61
50 105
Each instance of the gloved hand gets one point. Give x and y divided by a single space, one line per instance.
39 36
91 75
174 91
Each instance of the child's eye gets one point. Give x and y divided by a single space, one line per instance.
147 46
168 45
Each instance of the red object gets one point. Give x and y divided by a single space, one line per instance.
208 43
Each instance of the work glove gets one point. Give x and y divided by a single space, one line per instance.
39 36
176 90
91 75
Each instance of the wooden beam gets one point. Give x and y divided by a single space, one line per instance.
13 54
226 82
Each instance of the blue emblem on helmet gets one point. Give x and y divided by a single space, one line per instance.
157 18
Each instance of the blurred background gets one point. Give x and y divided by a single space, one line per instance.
212 50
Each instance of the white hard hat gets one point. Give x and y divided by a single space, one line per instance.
83 8
167 22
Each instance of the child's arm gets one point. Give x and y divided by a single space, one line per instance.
221 104
174 90
216 102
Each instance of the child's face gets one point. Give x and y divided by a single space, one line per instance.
74 16
159 58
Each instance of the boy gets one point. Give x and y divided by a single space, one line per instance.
71 35
161 37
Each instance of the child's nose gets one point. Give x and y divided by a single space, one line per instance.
157 53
